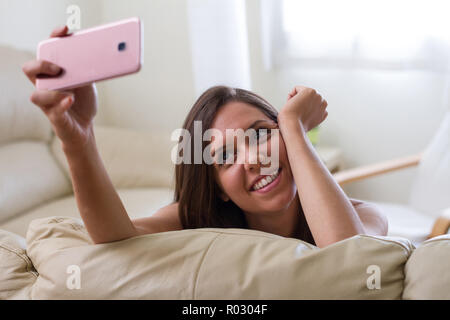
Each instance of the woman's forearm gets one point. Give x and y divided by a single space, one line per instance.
100 207
329 213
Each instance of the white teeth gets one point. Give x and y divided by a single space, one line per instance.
265 181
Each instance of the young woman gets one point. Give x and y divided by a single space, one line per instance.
299 200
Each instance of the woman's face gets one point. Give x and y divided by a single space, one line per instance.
242 181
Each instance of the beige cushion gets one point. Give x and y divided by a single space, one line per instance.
427 270
19 118
29 176
210 264
17 273
138 203
133 159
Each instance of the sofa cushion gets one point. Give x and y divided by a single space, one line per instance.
210 264
427 270
138 203
19 118
17 273
132 159
29 176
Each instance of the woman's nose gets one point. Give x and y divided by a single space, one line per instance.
251 160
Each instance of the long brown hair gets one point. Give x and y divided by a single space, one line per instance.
196 189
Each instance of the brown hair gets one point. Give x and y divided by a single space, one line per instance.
196 190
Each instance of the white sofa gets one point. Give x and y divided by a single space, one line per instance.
34 176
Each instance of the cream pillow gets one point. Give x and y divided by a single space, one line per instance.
17 273
427 270
210 264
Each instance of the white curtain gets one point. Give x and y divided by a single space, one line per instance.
219 46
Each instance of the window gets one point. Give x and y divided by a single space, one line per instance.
361 33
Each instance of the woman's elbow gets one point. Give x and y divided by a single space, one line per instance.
374 220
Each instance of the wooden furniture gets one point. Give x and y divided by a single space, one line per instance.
434 169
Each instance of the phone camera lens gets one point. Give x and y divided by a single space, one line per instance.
121 46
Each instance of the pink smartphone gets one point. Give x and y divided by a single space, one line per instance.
104 52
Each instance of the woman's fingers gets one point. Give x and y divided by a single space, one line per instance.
57 115
41 67
301 89
54 104
292 93
323 106
59 32
47 99
35 67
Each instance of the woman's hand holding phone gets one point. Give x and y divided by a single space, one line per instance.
70 112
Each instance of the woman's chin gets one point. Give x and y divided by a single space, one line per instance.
276 204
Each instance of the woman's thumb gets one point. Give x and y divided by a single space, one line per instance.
65 104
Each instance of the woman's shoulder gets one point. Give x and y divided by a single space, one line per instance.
164 219
169 213
372 217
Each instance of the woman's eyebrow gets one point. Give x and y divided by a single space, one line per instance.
256 122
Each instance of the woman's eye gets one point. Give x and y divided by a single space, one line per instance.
226 157
262 134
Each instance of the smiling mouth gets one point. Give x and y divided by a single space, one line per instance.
266 181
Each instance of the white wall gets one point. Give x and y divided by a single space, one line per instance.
160 95
23 23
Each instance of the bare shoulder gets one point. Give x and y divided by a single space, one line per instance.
170 210
372 217
165 219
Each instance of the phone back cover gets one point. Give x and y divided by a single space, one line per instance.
91 55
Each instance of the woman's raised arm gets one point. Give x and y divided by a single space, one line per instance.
330 214
71 115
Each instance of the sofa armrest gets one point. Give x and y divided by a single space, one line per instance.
367 171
